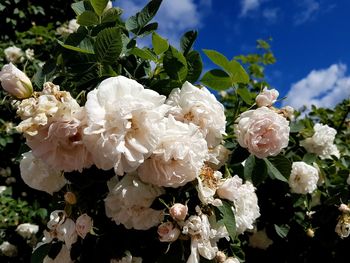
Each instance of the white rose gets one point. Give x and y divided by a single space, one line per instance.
262 131
129 203
8 249
218 156
83 225
15 82
197 105
2 189
179 156
321 143
29 54
13 54
231 260
122 120
66 232
167 232
266 97
38 175
27 230
260 240
245 200
303 178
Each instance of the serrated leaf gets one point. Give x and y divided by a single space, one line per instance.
111 15
237 72
245 94
309 158
108 45
148 29
78 49
99 6
143 53
88 18
81 6
194 65
217 79
175 64
218 58
160 45
274 172
187 41
227 218
282 230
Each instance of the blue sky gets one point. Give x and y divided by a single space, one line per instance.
311 39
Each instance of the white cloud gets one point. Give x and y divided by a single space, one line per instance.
322 88
174 17
270 14
249 5
309 10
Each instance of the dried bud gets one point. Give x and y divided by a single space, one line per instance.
70 198
178 211
220 257
266 97
344 208
310 232
83 225
167 232
15 82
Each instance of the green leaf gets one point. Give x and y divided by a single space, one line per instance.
282 164
160 45
148 29
81 6
175 64
249 167
143 53
282 230
78 49
194 65
274 172
99 6
108 45
237 72
245 94
40 253
296 126
137 22
217 79
187 41
309 158
227 218
111 15
88 18
218 58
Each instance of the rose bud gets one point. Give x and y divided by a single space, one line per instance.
167 232
178 211
83 225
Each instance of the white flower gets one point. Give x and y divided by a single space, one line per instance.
321 143
122 120
231 260
288 112
178 211
260 240
127 259
83 225
167 232
15 82
208 181
262 131
38 175
29 54
303 178
179 156
27 230
67 232
2 189
69 28
218 156
344 208
245 200
199 106
62 257
266 97
8 249
129 203
13 54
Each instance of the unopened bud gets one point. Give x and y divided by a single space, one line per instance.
70 198
310 232
178 211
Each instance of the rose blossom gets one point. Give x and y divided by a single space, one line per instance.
83 225
129 203
27 230
179 156
38 175
197 105
178 211
69 28
122 119
8 249
13 54
303 178
262 131
266 97
15 82
218 156
245 200
29 54
168 232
